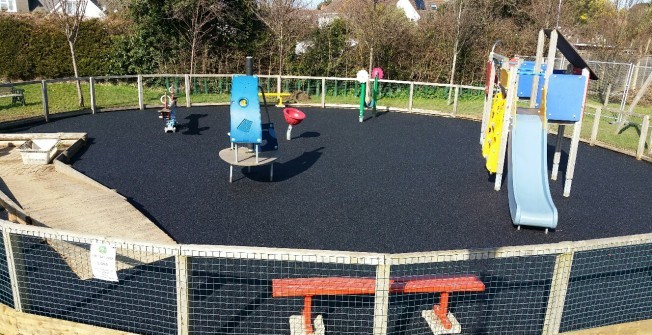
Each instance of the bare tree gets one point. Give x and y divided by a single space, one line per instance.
376 26
285 20
462 32
197 18
69 15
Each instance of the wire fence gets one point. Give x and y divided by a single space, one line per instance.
192 289
6 296
625 287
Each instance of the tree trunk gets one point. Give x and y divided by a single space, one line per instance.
74 67
280 59
455 52
193 51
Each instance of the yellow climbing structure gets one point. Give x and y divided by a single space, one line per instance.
494 130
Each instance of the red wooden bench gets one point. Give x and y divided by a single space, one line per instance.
309 287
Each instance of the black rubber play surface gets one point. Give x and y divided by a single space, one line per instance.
395 183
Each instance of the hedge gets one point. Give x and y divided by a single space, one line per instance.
38 48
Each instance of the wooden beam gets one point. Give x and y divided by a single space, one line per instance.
18 323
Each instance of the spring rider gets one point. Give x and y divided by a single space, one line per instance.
168 113
363 78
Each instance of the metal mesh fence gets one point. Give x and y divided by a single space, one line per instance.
609 286
345 92
210 90
614 80
52 283
433 98
258 296
116 92
6 296
155 86
642 72
497 296
231 290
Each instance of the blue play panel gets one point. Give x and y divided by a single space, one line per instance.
565 97
245 111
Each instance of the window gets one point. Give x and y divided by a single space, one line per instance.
71 7
433 6
8 6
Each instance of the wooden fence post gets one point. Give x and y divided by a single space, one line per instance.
457 95
187 79
323 92
643 137
411 101
44 94
596 125
381 299
13 268
141 101
91 82
557 296
182 273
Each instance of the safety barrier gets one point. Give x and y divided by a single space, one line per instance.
540 289
198 289
110 93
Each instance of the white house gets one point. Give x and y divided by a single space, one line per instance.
92 9
408 8
412 9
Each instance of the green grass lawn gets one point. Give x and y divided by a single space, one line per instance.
62 97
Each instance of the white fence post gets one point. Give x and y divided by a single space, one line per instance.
381 299
650 145
13 271
457 96
596 125
44 94
558 289
182 273
141 102
91 82
411 102
278 84
187 79
643 137
323 92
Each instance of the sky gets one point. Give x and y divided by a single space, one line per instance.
312 4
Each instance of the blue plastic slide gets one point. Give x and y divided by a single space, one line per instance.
530 203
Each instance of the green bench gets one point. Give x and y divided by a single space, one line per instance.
17 95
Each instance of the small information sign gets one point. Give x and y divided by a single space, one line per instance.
103 262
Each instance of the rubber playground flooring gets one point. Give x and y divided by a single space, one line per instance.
395 183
